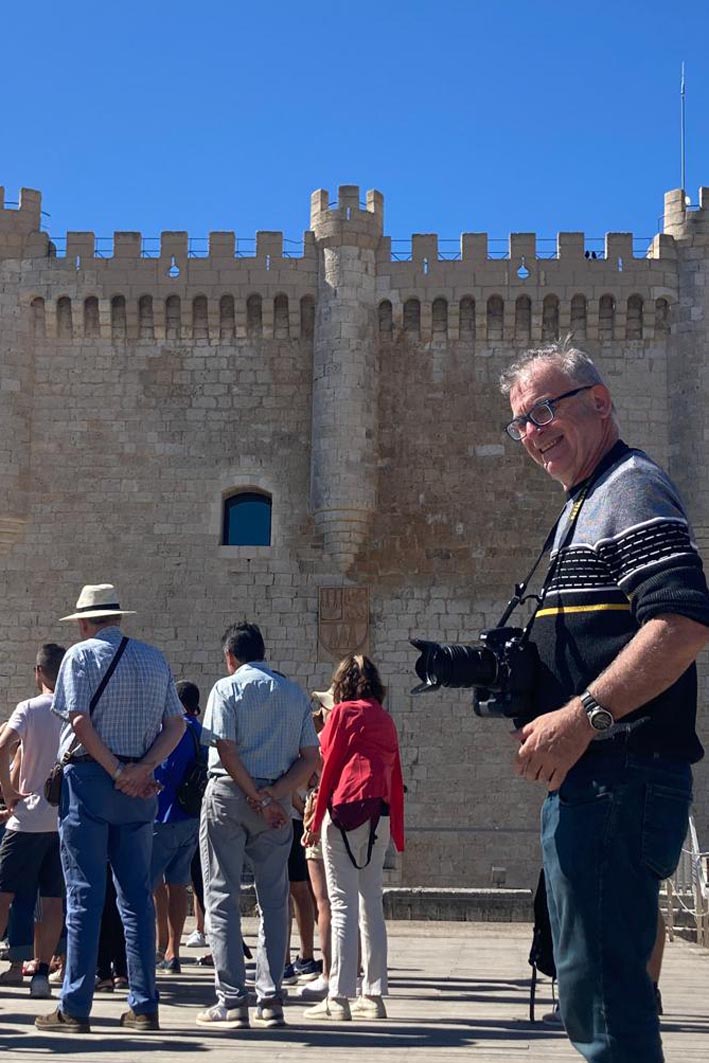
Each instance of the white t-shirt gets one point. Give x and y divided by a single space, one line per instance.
39 731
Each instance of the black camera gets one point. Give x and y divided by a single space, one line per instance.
501 669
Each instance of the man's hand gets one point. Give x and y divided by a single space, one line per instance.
136 780
551 744
13 798
272 812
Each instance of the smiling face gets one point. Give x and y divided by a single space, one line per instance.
583 429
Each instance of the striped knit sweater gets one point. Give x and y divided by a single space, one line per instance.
629 558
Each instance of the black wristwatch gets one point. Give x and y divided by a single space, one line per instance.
599 718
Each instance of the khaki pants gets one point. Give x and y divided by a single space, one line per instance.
357 908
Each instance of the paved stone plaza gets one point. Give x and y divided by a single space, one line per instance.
459 990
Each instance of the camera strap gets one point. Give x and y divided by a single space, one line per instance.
519 596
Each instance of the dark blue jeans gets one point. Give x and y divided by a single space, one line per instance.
97 823
610 834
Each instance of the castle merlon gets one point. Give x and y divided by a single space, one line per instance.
685 220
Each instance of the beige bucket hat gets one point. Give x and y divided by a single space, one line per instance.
95 600
325 698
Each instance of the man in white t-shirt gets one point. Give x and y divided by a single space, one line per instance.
29 852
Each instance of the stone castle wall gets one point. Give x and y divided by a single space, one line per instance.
360 392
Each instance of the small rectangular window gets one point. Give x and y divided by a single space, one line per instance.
247 520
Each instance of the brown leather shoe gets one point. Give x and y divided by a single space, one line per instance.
140 1022
59 1022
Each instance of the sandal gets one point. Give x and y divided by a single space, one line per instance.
104 985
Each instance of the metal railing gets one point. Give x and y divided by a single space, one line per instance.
546 247
688 889
448 250
197 247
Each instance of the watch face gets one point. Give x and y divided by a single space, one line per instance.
600 719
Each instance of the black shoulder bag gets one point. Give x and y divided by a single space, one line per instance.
53 785
191 790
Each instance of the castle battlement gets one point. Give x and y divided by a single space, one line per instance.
131 286
20 226
347 221
685 221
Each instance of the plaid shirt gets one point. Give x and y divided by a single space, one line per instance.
265 714
139 694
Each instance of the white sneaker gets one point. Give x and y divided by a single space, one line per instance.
316 990
269 1014
223 1018
331 1009
368 1008
196 940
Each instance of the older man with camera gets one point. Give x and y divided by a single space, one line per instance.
602 684
625 612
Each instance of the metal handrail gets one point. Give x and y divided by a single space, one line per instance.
448 250
690 879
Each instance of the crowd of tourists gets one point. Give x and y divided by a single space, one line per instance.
153 798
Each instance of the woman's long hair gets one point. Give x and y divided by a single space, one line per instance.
356 677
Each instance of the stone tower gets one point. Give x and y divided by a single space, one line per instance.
688 373
343 479
21 239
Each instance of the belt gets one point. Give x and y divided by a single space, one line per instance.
225 775
79 758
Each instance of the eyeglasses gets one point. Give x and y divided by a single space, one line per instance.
541 414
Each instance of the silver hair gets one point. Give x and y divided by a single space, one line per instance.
572 361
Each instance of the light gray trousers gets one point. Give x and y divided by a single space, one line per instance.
230 831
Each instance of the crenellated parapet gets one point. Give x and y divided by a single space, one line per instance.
526 293
684 221
20 226
348 221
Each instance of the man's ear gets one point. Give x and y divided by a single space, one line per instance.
602 401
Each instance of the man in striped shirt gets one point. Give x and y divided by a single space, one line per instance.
108 801
625 612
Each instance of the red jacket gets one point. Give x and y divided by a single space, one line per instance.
360 752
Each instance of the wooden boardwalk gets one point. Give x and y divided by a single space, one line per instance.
459 992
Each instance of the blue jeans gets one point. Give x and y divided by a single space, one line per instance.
97 823
610 834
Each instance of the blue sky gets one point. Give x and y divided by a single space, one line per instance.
468 116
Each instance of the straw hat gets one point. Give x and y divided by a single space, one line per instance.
97 600
325 698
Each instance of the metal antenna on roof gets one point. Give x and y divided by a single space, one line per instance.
683 134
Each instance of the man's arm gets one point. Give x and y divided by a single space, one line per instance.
94 744
651 662
136 780
272 813
234 766
297 775
9 741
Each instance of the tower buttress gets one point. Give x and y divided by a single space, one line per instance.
688 368
343 477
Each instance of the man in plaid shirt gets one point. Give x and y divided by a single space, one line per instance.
108 802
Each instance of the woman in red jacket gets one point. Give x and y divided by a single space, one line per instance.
360 805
